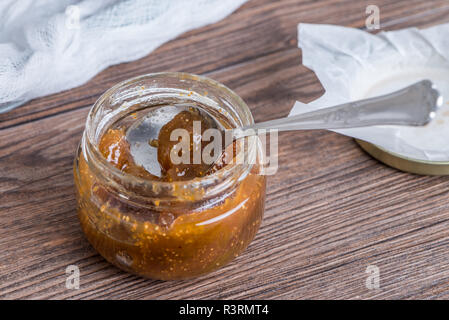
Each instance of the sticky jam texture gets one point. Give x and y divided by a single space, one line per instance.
166 239
115 148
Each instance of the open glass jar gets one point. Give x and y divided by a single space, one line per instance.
167 230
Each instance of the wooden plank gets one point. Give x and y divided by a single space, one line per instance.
331 209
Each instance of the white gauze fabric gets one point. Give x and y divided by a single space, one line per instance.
47 46
352 64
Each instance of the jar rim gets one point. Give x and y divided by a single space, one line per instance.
232 171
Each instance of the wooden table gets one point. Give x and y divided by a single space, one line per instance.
331 210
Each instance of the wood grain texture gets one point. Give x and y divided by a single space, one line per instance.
331 210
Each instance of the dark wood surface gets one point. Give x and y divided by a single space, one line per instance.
331 210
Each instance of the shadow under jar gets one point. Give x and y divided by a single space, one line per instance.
159 229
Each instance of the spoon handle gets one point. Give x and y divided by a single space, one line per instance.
414 105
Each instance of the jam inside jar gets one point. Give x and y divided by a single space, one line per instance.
180 225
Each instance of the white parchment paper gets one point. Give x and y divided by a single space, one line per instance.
353 64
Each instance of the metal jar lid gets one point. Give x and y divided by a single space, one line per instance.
422 167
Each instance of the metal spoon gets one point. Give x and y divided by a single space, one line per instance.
414 105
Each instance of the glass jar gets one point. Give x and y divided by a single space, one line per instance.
167 230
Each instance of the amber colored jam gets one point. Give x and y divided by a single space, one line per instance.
166 239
